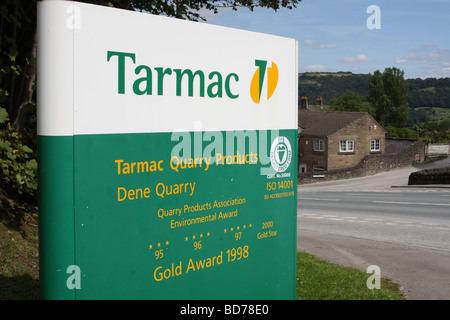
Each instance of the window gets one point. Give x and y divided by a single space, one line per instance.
346 146
319 145
374 145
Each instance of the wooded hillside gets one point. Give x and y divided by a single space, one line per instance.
429 92
429 99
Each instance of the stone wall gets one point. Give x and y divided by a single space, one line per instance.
431 176
374 163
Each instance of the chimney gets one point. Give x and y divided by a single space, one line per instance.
304 102
319 101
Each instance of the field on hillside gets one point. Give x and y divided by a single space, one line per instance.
436 114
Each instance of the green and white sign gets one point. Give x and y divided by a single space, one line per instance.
167 157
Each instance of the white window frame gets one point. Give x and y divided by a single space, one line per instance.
375 145
347 146
319 145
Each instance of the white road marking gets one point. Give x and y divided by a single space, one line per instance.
404 223
414 203
319 199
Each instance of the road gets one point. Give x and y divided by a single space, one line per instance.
365 221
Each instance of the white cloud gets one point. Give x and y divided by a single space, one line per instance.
434 56
416 58
423 47
319 45
411 56
438 73
317 68
358 58
433 61
400 60
429 59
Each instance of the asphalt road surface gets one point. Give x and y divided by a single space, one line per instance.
378 220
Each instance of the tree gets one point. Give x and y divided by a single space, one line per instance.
388 95
393 132
189 9
17 58
349 101
18 40
434 132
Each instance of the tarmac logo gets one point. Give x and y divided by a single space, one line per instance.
256 86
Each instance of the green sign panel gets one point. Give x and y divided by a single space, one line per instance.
163 177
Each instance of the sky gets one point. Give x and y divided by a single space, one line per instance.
333 35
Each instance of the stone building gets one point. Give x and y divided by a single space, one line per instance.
336 140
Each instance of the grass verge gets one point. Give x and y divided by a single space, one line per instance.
19 258
321 280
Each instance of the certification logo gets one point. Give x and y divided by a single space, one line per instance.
256 86
280 154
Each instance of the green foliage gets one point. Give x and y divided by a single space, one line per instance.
352 102
331 85
434 132
421 115
429 92
18 170
388 95
3 116
349 101
189 9
424 95
393 132
18 25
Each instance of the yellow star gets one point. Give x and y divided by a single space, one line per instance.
244 226
237 228
207 234
167 243
159 245
201 235
225 230
231 229
186 238
150 247
193 237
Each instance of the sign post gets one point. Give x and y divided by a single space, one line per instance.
167 164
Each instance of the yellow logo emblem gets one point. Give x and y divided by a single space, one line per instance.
256 86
